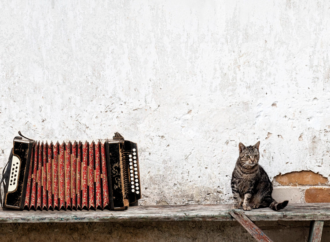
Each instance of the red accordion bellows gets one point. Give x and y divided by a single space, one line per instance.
67 176
34 176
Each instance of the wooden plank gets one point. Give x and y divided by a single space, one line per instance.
257 233
293 212
220 212
138 213
315 232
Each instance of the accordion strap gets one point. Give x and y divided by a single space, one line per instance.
5 175
20 133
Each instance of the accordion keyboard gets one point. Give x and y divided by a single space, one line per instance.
134 175
14 174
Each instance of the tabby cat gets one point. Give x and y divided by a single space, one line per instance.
250 183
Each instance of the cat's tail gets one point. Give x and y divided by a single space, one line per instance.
277 206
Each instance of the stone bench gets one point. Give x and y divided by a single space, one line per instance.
316 213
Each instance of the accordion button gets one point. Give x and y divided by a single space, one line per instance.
137 192
137 188
136 172
132 175
133 190
135 165
130 155
134 153
134 157
136 177
136 180
130 160
132 187
131 163
134 149
131 167
135 168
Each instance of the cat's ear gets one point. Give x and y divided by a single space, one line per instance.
257 145
241 147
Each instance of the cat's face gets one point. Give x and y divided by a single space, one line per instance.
249 156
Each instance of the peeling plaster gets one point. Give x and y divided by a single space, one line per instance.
305 178
185 80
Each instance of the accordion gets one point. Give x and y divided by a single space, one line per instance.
73 176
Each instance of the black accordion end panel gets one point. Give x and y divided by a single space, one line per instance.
19 169
73 175
123 173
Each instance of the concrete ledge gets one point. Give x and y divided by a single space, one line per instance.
290 193
302 194
294 212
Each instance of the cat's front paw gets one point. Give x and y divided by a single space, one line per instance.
255 206
246 207
237 206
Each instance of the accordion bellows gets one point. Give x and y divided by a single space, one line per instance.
73 176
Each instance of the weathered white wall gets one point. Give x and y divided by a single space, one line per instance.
186 80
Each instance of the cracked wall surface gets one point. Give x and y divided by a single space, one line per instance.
186 80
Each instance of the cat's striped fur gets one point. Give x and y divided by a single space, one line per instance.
250 183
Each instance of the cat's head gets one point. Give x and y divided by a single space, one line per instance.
249 156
